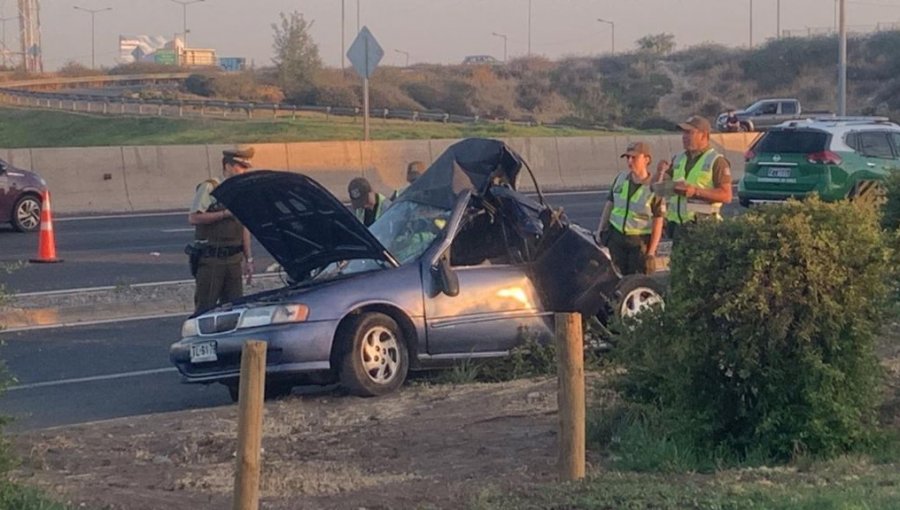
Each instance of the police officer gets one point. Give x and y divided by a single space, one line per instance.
702 178
632 221
367 205
223 244
413 171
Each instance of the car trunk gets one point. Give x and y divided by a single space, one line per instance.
783 161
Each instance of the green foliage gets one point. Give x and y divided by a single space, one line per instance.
531 358
658 44
73 69
780 62
890 218
199 84
766 346
13 496
296 56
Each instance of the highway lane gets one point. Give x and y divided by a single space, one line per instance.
128 249
89 373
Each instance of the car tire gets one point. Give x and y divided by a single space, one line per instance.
868 192
745 202
746 127
26 213
375 359
636 293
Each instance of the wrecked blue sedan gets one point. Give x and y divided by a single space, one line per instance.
461 266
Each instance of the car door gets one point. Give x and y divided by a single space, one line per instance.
6 195
496 307
895 141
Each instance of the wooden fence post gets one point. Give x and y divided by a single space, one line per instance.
570 399
250 418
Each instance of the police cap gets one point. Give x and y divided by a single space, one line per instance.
240 156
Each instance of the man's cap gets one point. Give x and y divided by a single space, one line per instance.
239 156
636 148
697 123
358 188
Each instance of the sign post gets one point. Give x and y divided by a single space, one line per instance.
365 53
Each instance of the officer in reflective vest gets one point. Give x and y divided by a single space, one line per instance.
632 221
367 205
702 178
222 244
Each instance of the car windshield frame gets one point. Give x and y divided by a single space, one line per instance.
406 230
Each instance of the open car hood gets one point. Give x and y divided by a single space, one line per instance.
301 224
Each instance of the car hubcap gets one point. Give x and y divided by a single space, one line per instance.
29 214
380 355
639 300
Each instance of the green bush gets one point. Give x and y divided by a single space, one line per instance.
765 348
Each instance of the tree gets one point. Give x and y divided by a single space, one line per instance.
660 44
296 56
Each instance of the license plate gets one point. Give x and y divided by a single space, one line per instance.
779 172
203 352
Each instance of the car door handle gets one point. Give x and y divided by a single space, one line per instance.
870 164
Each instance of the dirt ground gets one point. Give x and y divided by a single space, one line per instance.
428 446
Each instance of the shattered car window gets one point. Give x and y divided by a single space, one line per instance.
408 228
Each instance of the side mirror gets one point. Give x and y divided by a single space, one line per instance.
445 277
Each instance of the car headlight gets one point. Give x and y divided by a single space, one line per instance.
276 314
189 328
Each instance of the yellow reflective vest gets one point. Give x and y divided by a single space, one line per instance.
682 209
631 216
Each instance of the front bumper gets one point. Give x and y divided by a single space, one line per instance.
291 349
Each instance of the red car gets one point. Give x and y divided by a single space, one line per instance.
20 197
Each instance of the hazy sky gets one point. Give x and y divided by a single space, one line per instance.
442 31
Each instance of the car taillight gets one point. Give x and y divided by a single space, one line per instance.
824 158
749 155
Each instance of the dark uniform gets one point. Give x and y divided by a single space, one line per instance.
220 246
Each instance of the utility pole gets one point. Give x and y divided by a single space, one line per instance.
529 28
751 23
778 19
92 12
184 4
504 44
343 38
613 36
842 60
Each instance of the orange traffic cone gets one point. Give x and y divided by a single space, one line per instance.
47 242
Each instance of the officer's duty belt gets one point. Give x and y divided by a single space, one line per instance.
220 252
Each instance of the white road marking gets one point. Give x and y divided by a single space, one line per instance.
96 322
119 216
94 378
172 230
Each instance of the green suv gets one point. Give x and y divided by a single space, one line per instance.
832 157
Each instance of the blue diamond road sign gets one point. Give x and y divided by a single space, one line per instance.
365 53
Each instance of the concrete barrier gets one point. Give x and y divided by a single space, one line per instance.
121 179
163 177
84 180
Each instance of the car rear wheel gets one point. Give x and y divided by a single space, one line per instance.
637 293
375 359
868 192
26 215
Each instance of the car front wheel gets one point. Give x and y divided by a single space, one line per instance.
375 359
27 214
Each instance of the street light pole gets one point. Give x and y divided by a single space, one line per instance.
778 19
404 53
842 60
529 28
613 36
751 23
504 44
184 4
343 38
92 12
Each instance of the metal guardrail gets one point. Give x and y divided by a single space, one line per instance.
14 93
